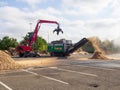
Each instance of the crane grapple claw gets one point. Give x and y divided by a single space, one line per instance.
58 30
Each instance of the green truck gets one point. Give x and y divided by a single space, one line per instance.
64 47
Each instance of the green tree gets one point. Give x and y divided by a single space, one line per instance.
25 38
109 46
7 42
39 45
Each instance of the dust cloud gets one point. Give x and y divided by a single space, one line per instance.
98 53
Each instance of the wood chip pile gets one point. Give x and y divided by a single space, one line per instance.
98 54
6 62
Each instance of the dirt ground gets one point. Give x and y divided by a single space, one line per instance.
88 57
31 62
46 61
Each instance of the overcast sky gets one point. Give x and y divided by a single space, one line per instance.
78 18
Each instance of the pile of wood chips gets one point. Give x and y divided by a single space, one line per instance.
6 62
98 54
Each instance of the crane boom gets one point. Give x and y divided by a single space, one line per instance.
34 36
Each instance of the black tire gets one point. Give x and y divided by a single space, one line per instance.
51 54
21 54
63 55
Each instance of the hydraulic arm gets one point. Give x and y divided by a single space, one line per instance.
34 36
27 48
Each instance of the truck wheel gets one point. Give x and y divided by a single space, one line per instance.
21 54
63 55
52 54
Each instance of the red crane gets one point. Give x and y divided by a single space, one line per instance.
26 49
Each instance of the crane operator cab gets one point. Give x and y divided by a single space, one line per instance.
30 35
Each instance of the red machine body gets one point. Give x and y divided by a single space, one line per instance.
27 47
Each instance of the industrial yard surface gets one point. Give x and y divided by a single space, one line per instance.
71 73
59 45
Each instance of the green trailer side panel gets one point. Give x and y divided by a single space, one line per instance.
56 48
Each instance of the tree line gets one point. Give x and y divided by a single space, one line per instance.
7 42
41 44
107 46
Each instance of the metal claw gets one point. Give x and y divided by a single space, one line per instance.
58 30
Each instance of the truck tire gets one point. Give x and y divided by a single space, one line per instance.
51 54
21 54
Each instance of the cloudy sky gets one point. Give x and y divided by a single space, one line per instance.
77 18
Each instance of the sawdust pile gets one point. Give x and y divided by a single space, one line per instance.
6 62
98 54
